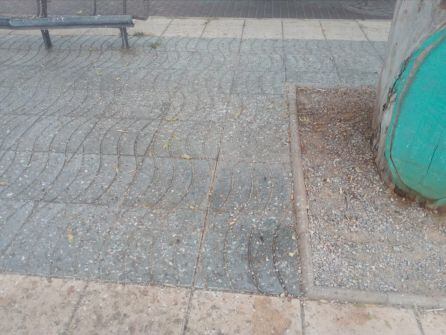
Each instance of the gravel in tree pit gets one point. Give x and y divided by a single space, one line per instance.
363 236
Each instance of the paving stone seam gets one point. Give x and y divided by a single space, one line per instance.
370 42
418 320
232 87
67 325
301 206
202 236
332 59
302 316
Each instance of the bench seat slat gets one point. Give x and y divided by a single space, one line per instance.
60 22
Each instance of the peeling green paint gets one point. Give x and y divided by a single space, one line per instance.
416 138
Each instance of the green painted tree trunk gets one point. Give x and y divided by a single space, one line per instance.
410 120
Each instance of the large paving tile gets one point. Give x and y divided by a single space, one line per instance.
255 141
249 243
129 309
152 247
109 179
434 322
259 82
247 186
248 251
257 108
323 79
302 30
152 26
355 56
224 28
93 242
263 29
56 239
197 107
346 319
342 30
376 30
261 62
357 79
228 313
261 46
186 28
187 139
308 56
33 305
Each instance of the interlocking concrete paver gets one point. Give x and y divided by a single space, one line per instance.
324 319
224 313
130 309
32 305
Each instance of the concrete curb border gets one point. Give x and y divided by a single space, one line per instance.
301 206
300 203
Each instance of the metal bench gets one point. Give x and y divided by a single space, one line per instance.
66 22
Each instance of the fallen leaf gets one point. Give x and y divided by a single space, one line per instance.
70 236
186 156
172 119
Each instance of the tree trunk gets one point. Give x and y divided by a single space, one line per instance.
410 120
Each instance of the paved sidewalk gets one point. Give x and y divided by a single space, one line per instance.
168 165
57 306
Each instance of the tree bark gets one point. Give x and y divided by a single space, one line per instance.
418 29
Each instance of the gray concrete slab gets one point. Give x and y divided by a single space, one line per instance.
167 163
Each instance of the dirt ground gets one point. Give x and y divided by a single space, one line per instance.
363 236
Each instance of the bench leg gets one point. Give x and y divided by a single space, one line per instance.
125 39
46 39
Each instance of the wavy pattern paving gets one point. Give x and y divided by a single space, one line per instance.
167 163
250 244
